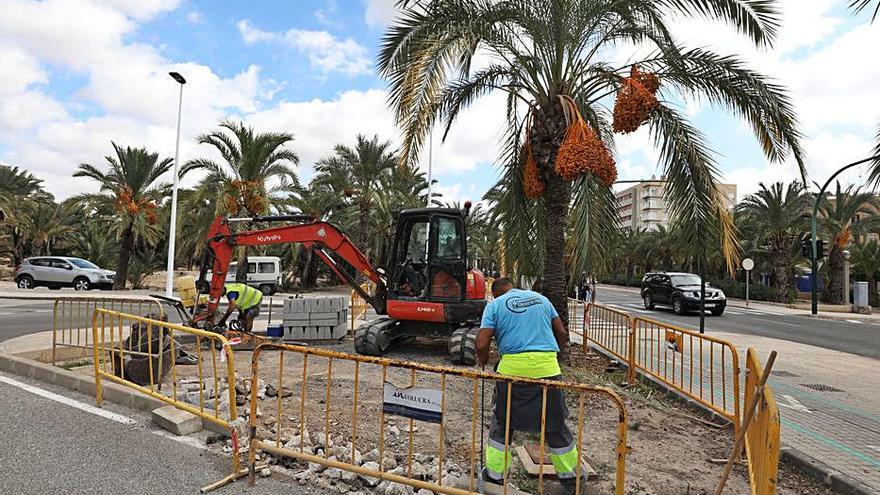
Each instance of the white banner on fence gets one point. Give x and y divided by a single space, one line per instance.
411 402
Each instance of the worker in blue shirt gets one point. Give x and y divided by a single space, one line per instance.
529 334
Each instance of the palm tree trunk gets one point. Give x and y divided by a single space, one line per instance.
781 270
125 249
557 195
834 290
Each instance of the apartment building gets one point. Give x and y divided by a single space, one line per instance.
642 206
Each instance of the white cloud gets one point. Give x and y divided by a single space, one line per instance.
195 17
379 13
323 50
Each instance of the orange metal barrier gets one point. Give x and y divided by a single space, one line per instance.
359 306
195 388
312 415
698 366
72 320
762 434
610 330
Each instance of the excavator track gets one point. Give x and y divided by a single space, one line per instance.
375 337
463 345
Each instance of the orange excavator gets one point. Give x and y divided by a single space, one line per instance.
424 289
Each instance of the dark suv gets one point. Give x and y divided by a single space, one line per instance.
681 291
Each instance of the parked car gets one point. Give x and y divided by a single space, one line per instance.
56 272
263 272
681 291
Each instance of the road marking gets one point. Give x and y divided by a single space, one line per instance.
857 322
1 314
67 401
82 406
794 404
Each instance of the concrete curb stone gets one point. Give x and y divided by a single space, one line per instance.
839 482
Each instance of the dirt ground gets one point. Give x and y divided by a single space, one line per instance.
671 447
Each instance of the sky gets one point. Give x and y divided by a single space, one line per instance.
78 74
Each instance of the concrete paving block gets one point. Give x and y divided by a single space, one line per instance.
295 316
323 315
324 322
176 421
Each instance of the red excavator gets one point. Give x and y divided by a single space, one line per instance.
424 290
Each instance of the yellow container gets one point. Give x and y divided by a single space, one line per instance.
186 289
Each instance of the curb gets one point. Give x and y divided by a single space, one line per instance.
112 392
839 482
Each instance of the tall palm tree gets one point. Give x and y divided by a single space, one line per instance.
255 174
357 173
549 58
858 6
20 192
776 217
130 189
866 259
850 213
322 203
49 224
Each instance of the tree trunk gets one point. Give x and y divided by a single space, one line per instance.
364 226
781 270
834 288
125 249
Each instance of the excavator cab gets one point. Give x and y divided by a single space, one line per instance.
429 258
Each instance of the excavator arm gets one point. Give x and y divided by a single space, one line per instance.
327 240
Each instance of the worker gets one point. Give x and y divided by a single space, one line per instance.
247 300
529 334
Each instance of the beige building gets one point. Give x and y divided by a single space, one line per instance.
642 206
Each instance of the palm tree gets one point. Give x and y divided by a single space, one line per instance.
866 259
324 204
776 217
859 5
20 192
547 57
130 190
851 212
357 173
254 175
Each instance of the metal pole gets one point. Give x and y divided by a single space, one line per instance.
430 162
702 296
172 228
814 262
748 273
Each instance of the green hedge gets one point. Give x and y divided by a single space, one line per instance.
757 292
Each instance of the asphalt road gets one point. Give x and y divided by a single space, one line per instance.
51 447
854 337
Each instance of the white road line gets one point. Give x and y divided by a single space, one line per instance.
82 406
67 401
1 314
855 321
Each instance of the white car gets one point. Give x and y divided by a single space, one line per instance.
56 272
263 272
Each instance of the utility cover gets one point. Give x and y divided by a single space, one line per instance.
422 404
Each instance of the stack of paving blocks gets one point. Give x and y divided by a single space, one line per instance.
315 318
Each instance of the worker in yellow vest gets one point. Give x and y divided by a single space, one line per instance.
246 300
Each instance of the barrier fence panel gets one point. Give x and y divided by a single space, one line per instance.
762 434
609 329
701 367
332 406
72 318
359 306
149 356
577 310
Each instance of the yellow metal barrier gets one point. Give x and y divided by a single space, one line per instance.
72 318
456 393
610 330
189 386
762 434
359 306
701 367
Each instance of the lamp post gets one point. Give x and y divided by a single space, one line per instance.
814 262
172 228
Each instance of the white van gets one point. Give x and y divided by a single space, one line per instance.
263 272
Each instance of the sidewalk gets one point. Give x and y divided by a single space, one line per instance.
829 407
768 306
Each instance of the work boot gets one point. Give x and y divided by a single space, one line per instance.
488 479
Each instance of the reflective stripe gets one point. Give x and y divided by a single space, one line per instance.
565 463
540 364
560 450
496 444
496 460
248 297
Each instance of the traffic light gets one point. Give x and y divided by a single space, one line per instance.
821 249
805 247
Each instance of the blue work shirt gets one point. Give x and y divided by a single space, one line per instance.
522 322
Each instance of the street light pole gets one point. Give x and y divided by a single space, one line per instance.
172 228
814 262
